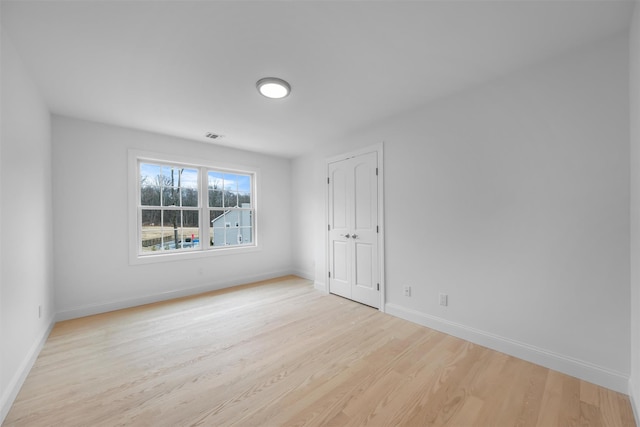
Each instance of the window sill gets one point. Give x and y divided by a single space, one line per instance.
135 259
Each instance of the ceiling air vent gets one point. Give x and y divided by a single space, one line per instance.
213 135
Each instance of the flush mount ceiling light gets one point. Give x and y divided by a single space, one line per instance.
273 87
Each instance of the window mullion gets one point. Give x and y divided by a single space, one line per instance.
204 212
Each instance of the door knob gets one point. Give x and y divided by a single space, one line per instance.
354 235
345 235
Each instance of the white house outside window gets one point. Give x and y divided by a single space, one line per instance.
183 208
230 208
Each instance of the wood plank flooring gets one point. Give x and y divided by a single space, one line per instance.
279 353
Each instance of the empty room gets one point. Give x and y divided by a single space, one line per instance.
320 213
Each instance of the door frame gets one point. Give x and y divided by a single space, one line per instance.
379 149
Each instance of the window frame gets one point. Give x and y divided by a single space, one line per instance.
136 256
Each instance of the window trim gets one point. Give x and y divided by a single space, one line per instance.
136 156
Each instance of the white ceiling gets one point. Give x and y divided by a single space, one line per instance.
186 68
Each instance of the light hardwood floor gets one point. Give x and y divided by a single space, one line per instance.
279 353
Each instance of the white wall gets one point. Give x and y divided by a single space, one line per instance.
90 209
512 198
634 73
304 257
26 278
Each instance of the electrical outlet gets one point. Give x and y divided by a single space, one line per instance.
407 291
444 300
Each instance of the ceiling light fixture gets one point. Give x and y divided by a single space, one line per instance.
273 87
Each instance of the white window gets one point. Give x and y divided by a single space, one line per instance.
186 208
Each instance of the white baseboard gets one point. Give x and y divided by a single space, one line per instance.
304 274
577 368
321 286
635 404
91 309
15 384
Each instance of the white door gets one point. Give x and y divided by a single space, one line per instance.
353 228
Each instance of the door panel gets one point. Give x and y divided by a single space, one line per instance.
340 261
340 269
339 187
364 265
353 221
364 216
